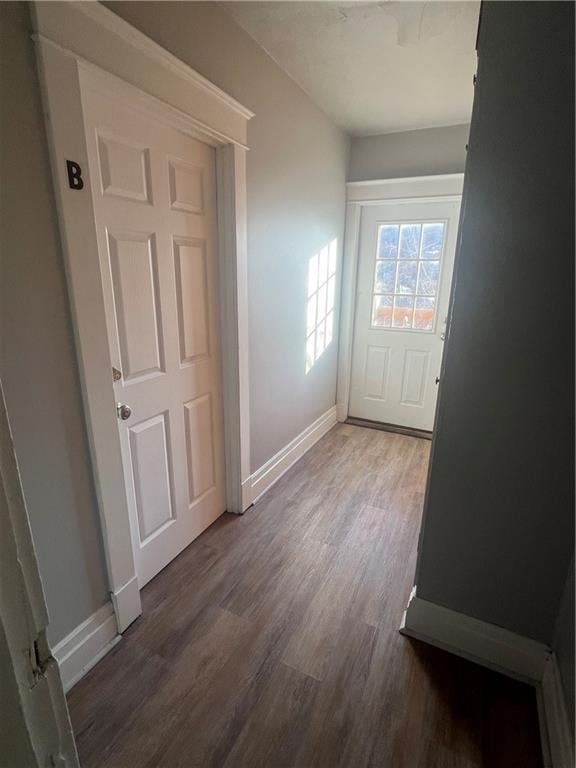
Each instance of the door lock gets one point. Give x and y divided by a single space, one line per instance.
124 411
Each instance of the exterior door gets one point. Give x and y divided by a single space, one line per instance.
154 198
405 267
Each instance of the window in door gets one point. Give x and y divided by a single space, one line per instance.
406 274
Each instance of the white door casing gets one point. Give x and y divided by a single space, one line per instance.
405 264
77 43
36 728
359 196
154 192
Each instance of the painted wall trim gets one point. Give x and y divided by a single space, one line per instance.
126 603
414 186
172 116
556 734
347 308
233 276
77 653
118 26
401 179
45 732
506 652
270 472
481 642
95 34
360 194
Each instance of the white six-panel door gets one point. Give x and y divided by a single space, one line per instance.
405 263
155 208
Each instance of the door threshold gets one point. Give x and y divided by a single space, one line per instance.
408 431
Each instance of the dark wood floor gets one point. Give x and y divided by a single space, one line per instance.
272 641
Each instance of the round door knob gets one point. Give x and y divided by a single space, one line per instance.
124 411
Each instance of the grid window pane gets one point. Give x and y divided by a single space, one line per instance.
409 241
406 279
388 241
382 311
385 276
428 277
406 275
432 240
424 313
403 312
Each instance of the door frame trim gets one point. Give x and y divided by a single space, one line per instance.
45 731
359 195
76 42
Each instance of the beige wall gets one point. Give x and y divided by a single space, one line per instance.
412 153
37 357
296 174
14 737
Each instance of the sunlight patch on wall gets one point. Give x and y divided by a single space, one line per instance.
321 296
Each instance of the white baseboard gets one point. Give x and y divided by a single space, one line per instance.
486 644
86 645
265 477
341 411
126 603
506 652
555 730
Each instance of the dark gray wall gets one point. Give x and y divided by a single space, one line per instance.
37 357
426 152
498 526
564 642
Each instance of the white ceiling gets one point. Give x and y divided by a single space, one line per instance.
373 67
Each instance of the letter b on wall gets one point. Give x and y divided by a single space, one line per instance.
75 180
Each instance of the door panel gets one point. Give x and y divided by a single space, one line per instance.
377 372
124 169
134 269
151 469
191 288
200 450
155 203
406 257
186 187
414 378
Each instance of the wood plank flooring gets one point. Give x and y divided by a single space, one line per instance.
272 641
